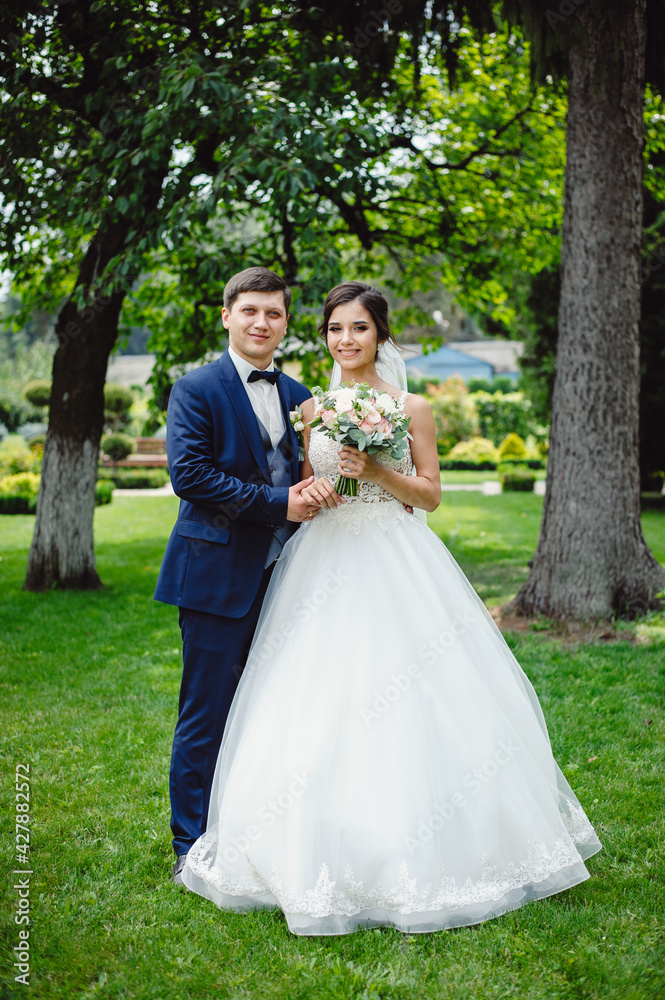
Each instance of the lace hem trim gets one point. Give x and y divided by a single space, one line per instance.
577 824
327 899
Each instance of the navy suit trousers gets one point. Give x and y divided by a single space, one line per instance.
214 651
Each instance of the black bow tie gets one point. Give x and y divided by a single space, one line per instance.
269 376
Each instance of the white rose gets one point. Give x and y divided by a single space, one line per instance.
385 403
344 400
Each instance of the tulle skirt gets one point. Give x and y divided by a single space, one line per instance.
386 760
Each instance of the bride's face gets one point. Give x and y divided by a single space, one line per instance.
352 335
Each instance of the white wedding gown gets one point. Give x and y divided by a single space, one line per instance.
385 760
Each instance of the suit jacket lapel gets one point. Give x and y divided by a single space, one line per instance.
292 437
244 412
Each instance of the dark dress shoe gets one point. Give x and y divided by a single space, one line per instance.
177 871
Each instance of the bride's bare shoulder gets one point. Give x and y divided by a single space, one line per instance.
416 404
307 408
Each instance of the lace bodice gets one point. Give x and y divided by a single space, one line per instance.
324 457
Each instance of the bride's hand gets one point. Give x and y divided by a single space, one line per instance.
356 464
321 493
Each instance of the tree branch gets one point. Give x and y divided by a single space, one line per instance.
406 142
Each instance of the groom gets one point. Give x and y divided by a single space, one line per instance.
233 461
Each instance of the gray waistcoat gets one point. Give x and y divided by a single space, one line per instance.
279 465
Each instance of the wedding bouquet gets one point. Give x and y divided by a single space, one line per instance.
363 417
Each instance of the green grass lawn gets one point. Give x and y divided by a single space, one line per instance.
89 692
494 537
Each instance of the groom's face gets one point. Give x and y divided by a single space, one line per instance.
256 323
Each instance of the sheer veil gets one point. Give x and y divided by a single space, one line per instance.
391 368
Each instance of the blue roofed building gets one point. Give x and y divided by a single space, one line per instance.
468 359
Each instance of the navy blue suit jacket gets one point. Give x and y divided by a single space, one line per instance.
216 554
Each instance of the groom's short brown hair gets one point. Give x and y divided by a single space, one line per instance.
256 279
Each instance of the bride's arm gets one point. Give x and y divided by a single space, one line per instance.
423 489
307 409
320 492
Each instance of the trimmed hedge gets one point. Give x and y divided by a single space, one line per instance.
103 492
135 479
15 460
17 505
516 479
462 465
653 501
479 454
531 463
18 493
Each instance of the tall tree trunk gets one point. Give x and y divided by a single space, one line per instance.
592 560
62 551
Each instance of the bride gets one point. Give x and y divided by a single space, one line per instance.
385 760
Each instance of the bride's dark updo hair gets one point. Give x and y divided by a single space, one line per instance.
371 298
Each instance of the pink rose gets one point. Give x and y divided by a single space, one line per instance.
352 415
366 426
328 417
374 417
385 427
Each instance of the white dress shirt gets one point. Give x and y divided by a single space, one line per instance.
263 396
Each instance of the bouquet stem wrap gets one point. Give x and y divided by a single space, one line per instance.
346 487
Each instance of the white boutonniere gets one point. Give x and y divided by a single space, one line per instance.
298 424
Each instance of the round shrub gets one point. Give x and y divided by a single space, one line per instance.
38 392
118 402
117 399
117 446
477 451
513 447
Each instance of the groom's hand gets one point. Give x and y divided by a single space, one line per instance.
300 509
322 494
